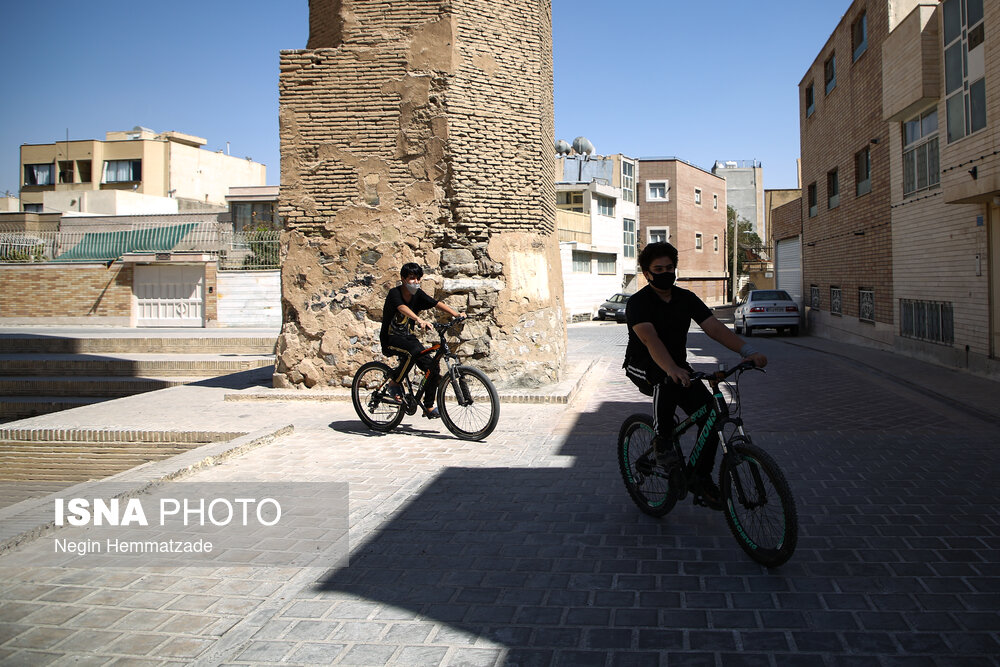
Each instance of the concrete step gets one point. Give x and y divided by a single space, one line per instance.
77 462
151 344
85 385
131 365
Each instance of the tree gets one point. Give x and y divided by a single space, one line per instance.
748 242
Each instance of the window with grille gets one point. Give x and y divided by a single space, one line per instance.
866 305
931 321
814 297
835 307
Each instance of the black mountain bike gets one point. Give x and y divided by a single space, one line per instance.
757 502
467 400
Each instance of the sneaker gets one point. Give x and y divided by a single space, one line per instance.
663 450
707 493
431 413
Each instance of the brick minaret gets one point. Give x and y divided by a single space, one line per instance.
420 130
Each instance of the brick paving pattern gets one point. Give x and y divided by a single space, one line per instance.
526 550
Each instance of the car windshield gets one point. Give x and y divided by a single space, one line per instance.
770 295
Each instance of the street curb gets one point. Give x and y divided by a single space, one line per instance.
30 519
560 393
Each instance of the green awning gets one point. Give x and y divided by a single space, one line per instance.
104 246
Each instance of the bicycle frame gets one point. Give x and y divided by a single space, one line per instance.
440 350
718 416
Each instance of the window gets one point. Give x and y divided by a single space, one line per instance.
814 297
697 241
628 243
859 35
253 215
606 263
39 174
570 201
628 181
581 261
83 169
866 305
122 171
715 202
931 321
832 189
32 208
964 68
835 301
65 171
715 243
606 206
863 171
830 72
657 190
658 235
811 198
810 100
921 162
697 196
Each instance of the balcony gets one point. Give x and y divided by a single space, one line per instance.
911 73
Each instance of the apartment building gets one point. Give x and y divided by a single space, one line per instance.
686 206
92 175
900 117
597 216
745 191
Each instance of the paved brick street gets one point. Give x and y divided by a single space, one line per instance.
526 549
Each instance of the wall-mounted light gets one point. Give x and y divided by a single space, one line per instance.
974 172
811 244
874 140
860 232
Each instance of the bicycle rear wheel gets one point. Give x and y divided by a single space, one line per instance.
471 409
368 396
758 504
645 481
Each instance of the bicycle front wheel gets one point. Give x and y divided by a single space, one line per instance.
469 403
758 504
370 400
646 482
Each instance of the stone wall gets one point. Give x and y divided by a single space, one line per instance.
420 131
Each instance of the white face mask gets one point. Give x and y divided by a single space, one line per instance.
411 287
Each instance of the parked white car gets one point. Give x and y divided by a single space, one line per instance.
766 309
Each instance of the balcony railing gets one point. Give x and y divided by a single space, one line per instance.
257 249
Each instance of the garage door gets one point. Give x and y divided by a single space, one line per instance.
169 295
789 269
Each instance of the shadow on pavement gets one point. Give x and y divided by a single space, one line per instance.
897 556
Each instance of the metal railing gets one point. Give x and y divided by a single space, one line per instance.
244 250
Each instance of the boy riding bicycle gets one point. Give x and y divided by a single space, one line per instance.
658 317
399 316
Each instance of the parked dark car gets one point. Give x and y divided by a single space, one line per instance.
615 304
767 309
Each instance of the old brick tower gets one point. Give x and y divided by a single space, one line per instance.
420 130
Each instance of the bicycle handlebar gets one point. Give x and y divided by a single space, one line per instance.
719 376
441 327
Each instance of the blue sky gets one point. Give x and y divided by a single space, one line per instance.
701 81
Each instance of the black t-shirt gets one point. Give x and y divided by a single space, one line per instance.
395 323
671 319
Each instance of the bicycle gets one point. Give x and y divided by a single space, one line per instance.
467 400
756 498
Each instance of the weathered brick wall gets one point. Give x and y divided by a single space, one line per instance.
849 246
426 135
65 291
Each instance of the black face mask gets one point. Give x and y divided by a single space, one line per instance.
663 280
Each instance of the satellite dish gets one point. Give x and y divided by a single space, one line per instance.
563 147
582 145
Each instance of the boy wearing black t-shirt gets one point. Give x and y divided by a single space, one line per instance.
659 316
399 316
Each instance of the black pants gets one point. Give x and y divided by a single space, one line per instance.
408 349
667 397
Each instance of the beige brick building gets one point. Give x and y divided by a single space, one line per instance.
900 116
686 206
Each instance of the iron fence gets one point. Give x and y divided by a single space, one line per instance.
243 250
